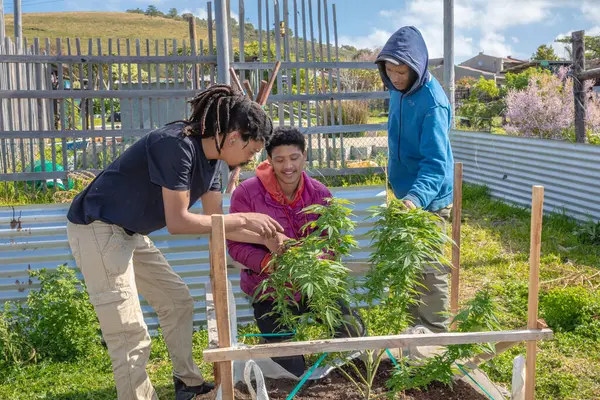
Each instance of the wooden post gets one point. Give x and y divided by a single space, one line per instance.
456 225
194 45
235 82
218 276
578 91
537 205
248 88
261 89
2 24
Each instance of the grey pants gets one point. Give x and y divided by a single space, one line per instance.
431 311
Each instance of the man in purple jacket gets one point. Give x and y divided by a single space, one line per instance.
281 190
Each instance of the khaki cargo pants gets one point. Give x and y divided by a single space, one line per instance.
434 300
116 267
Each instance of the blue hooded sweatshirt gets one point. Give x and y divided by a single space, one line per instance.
420 166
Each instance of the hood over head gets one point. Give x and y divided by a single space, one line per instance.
405 46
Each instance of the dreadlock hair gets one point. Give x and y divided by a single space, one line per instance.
220 109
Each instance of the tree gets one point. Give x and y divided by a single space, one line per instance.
545 53
152 11
135 11
592 46
172 13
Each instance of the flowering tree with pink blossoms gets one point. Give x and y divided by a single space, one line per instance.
545 109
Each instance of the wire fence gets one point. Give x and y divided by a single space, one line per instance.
76 105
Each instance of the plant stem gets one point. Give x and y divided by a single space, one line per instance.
372 371
351 380
358 373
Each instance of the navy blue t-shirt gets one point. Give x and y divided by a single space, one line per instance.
128 193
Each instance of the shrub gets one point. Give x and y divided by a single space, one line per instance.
15 349
588 233
565 309
483 104
58 321
545 107
354 112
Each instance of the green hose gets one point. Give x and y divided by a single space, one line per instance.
477 383
306 376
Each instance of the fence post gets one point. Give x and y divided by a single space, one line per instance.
221 18
18 22
2 25
578 90
449 55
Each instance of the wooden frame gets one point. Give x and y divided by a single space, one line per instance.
225 353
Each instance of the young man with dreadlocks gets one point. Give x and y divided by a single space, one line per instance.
152 185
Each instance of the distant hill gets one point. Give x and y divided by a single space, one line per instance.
123 26
104 25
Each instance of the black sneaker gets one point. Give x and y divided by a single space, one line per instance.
184 392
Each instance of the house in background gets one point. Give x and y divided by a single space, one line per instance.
482 65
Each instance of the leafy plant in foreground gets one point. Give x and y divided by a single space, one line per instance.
480 314
404 243
311 270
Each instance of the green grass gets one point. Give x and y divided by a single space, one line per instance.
104 26
377 120
495 247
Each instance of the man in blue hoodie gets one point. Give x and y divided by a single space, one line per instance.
420 165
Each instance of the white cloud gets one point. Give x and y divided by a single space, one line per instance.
375 39
591 10
495 44
480 25
428 17
499 15
199 12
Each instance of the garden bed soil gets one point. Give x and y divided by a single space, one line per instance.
336 387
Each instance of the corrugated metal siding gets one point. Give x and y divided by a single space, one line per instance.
509 166
42 243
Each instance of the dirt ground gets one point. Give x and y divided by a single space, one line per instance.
336 387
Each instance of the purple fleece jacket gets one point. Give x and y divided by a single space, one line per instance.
262 194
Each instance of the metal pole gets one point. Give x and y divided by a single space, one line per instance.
223 77
18 24
449 55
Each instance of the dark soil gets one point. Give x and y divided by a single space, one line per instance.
336 387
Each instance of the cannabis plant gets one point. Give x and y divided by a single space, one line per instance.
480 314
404 242
311 271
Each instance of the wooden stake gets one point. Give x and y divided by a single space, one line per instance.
248 88
194 44
456 225
537 206
218 269
235 80
580 96
261 89
265 94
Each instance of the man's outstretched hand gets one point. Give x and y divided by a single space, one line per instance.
277 244
261 224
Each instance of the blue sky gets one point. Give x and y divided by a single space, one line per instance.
496 27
